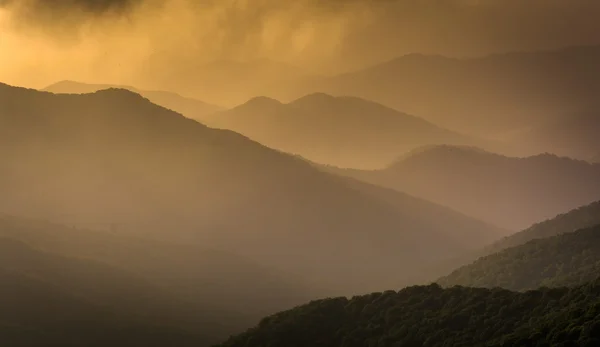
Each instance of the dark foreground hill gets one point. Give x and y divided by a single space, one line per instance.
51 300
432 316
583 217
205 277
565 260
114 158
189 107
341 131
506 191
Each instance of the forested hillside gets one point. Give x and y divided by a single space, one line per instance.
432 316
51 300
564 260
579 218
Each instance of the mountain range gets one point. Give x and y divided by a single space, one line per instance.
189 107
341 131
509 192
569 259
114 158
494 96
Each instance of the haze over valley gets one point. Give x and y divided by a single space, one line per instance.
299 173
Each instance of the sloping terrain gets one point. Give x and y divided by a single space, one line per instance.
114 158
493 95
506 191
50 300
340 131
565 260
432 316
189 107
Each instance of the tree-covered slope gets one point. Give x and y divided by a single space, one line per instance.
51 300
563 260
579 218
432 316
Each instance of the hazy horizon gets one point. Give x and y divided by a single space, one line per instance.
251 173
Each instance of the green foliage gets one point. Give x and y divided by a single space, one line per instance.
579 218
563 260
433 316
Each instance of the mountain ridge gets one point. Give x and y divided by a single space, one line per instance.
518 191
344 131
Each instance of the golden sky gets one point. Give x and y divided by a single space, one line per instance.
135 42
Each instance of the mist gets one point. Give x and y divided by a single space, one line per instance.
156 43
250 173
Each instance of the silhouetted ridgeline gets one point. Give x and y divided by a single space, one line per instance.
432 316
189 107
114 157
579 218
341 131
481 95
565 260
506 191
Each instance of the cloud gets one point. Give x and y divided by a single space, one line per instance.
117 40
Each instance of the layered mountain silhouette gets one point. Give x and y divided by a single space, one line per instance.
583 217
342 131
231 82
189 107
506 191
492 95
199 275
51 300
114 157
569 259
432 316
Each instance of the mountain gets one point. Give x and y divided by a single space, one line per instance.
580 218
231 82
341 131
432 316
583 217
493 95
506 191
114 158
565 260
189 107
199 275
50 300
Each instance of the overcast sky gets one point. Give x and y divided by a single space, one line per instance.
116 37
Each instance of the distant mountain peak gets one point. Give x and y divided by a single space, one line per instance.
318 96
120 92
260 102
